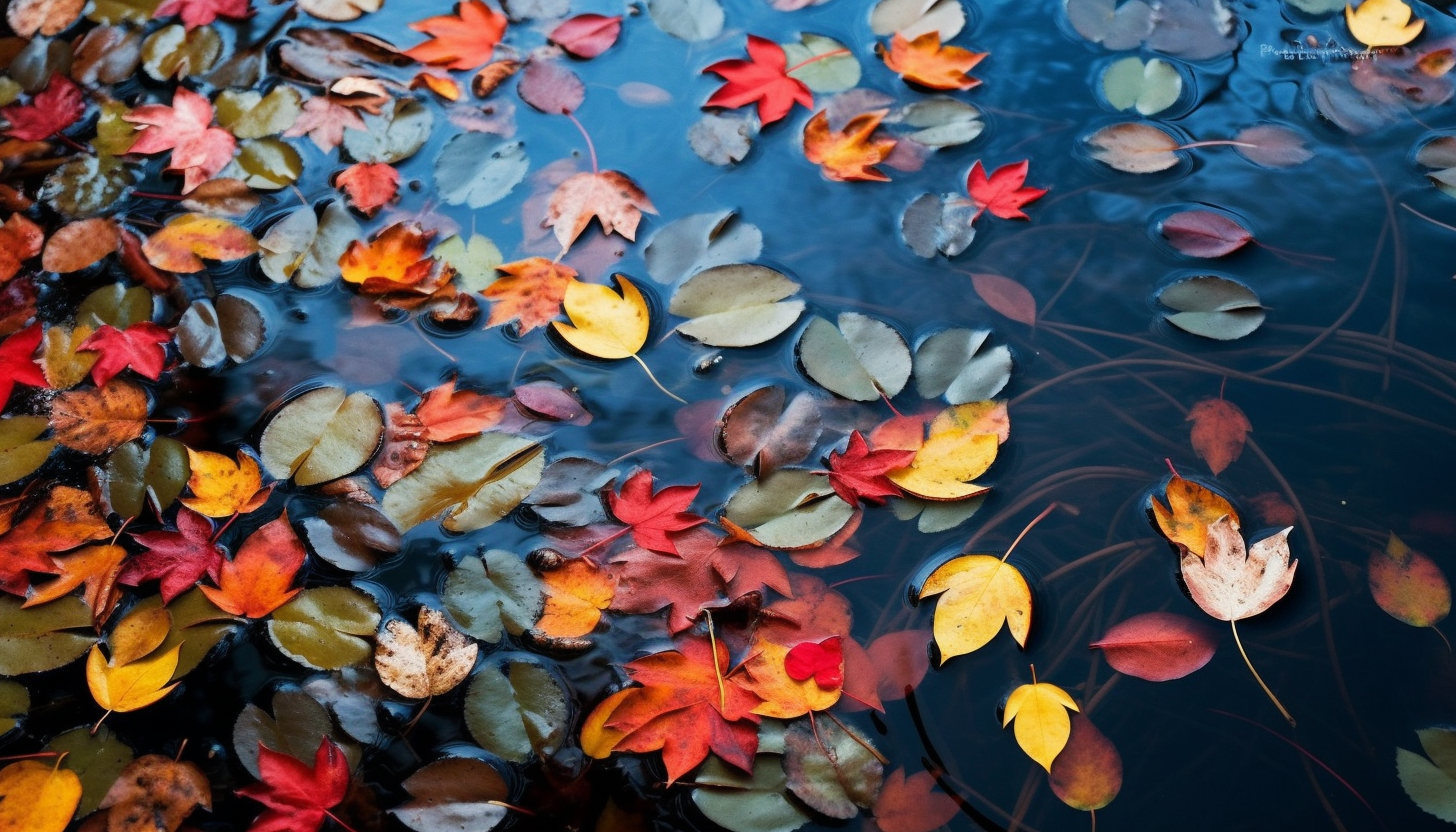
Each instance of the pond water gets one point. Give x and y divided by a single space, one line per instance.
1348 383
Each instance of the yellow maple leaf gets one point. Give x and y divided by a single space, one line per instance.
221 487
131 686
605 324
1190 510
1383 23
981 591
1042 723
849 154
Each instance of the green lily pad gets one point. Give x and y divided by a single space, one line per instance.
516 708
1149 88
861 359
1213 307
493 594
741 802
21 451
792 508
45 637
96 758
326 628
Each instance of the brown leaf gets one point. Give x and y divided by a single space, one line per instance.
98 420
45 17
759 432
1006 296
1219 430
155 794
1087 775
77 245
423 662
404 446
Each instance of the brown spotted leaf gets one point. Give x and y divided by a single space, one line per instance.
98 420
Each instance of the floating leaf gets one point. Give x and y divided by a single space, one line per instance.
952 363
1409 585
39 797
1204 233
1189 511
229 326
492 595
1134 147
611 197
186 240
980 593
760 433
913 18
351 536
1213 307
737 305
689 20
1042 724
1149 88
817 68
159 789
392 136
96 421
516 709
21 449
133 686
326 627
789 509
430 659
452 794
322 435
1383 23
475 482
1006 296
741 802
306 249
1157 646
257 580
1272 146
940 121
41 638
910 804
700 241
926 62
850 153
1431 783
1219 431
862 359
14 705
295 729
934 223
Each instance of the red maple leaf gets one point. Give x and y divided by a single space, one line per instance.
859 473
652 516
178 558
142 347
370 185
298 796
17 361
198 151
196 13
1003 193
763 78
705 569
50 111
465 41
821 661
689 704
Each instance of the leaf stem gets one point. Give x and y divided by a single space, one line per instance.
335 818
1443 637
608 539
1214 143
591 148
1257 678
1430 220
833 53
1009 549
717 671
875 752
654 380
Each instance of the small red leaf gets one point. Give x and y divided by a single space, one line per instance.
370 185
52 110
587 35
1158 646
652 516
1006 296
822 661
1004 191
142 347
1204 233
860 473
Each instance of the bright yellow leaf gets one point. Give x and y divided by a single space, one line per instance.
221 487
1042 724
945 465
132 686
1190 510
1383 23
603 323
37 796
981 591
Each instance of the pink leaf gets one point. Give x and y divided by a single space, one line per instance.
1204 233
587 35
1006 296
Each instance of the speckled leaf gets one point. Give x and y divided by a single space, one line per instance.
830 769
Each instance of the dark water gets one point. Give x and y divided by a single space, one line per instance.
1350 387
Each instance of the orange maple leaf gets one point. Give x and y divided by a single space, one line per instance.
95 566
689 704
448 414
463 41
393 261
65 518
256 582
925 62
530 293
612 197
849 154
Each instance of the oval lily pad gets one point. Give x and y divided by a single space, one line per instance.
493 594
475 482
1213 307
741 802
955 363
737 305
516 709
1149 88
322 435
326 628
792 508
44 637
824 75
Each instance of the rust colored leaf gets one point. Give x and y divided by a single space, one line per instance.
155 794
397 258
1409 585
911 804
404 446
65 518
926 62
97 421
79 245
44 17
257 580
448 414
1087 775
1219 431
850 154
97 567
20 240
530 293
369 185
1006 296
1157 646
613 198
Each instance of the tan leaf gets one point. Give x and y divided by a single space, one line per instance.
1230 583
78 245
614 199
423 662
96 421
